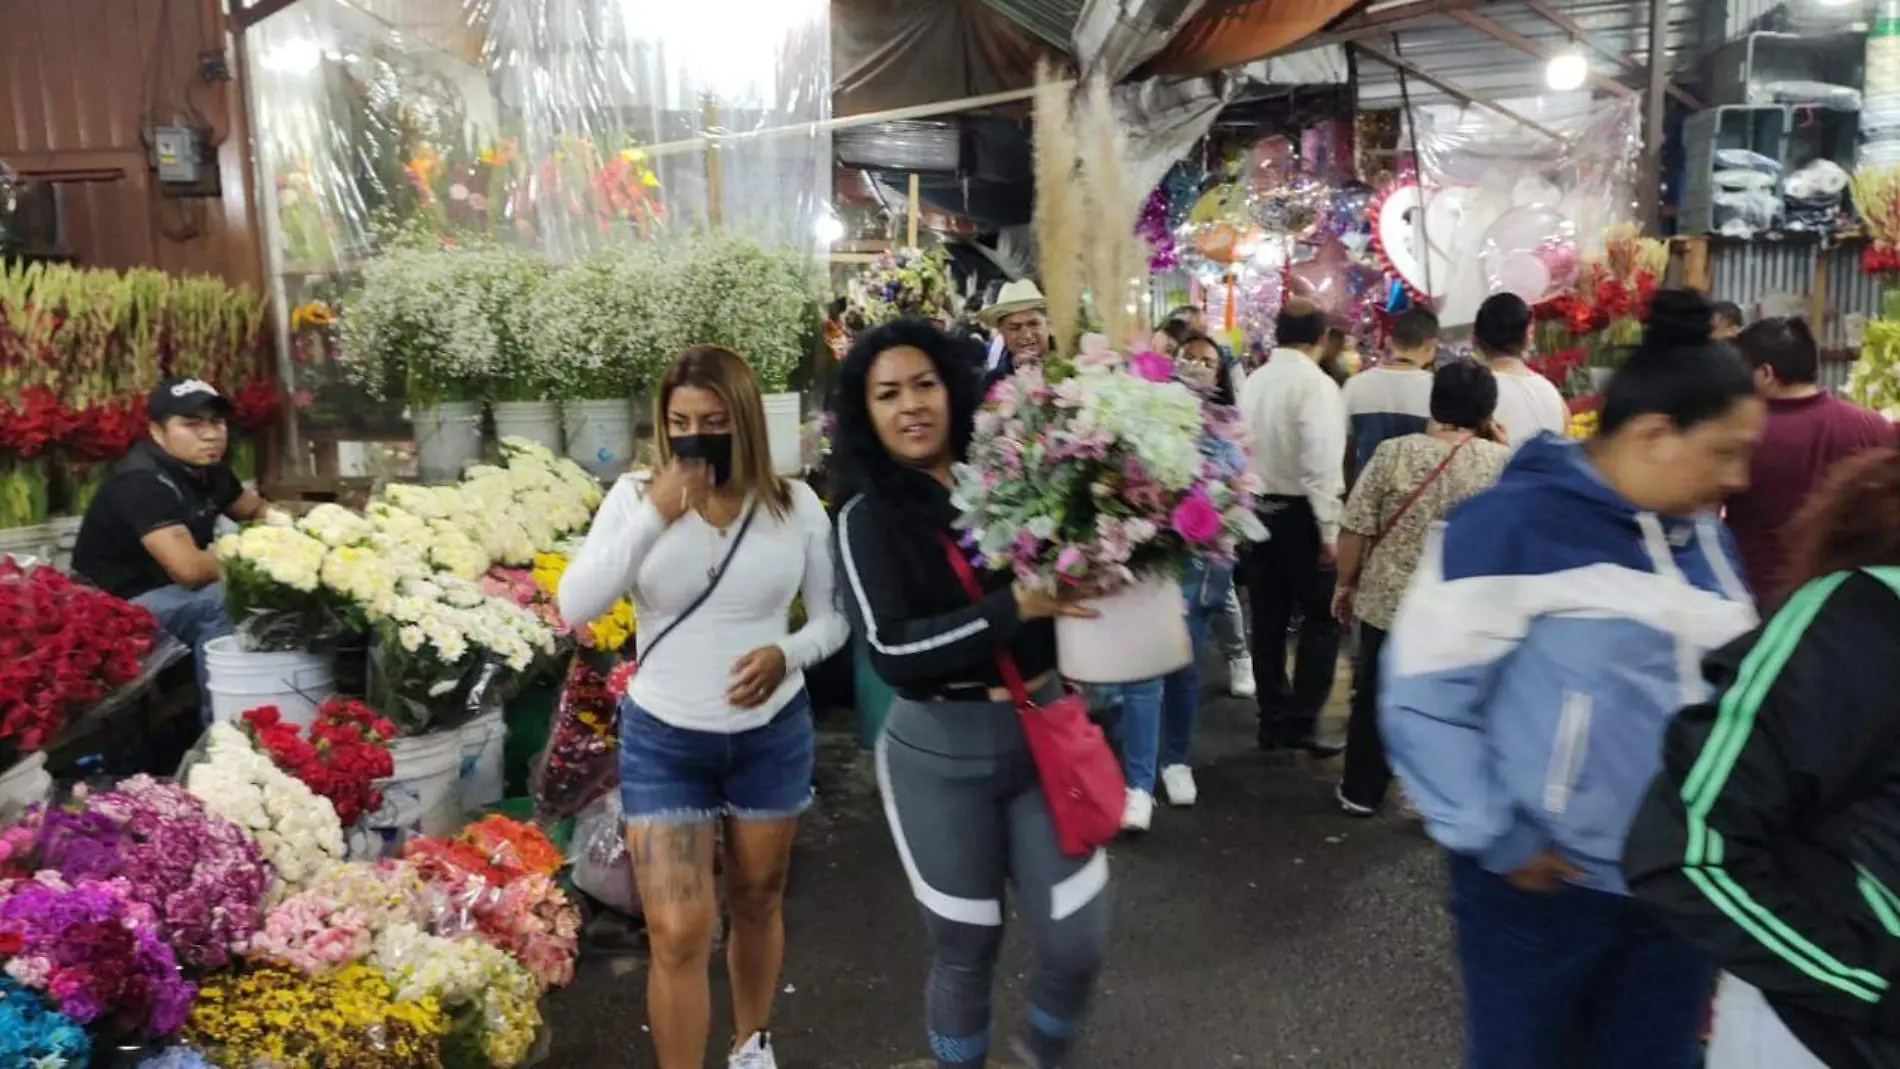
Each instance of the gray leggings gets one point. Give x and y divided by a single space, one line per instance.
968 816
1230 627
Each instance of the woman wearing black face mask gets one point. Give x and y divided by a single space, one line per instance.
716 725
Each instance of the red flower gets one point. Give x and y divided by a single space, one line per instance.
32 423
63 647
255 406
345 752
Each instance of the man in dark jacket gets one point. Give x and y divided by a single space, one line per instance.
1771 838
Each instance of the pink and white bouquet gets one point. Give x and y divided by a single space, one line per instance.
1102 472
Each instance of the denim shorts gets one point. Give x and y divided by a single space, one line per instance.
672 775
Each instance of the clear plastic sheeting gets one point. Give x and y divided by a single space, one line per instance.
1509 207
722 100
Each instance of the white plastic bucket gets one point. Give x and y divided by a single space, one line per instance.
600 435
420 796
239 681
1141 633
537 421
25 784
781 430
448 439
484 742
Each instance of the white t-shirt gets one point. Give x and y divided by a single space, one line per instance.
1529 405
631 550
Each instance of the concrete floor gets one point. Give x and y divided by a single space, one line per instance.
1258 929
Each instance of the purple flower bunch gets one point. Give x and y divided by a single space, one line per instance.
201 874
94 952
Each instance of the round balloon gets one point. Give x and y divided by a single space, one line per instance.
1520 248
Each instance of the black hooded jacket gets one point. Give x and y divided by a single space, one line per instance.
1771 838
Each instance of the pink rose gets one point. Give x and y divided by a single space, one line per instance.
1151 366
1069 562
1196 519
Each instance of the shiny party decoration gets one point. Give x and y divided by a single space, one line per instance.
1323 279
1153 227
1530 251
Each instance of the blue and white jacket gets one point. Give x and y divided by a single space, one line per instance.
1551 633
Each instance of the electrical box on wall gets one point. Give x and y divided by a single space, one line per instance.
187 165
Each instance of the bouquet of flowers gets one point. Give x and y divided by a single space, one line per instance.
313 935
94 951
909 282
497 877
1102 473
296 827
582 758
277 1017
272 574
491 997
63 647
607 634
346 753
33 1034
201 875
384 893
1101 470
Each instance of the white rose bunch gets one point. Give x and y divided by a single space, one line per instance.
334 525
296 827
284 555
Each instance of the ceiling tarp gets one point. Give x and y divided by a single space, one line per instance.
899 53
1227 35
1113 37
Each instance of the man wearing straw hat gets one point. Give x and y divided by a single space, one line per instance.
1020 318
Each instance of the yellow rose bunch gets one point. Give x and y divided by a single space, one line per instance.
608 633
1584 424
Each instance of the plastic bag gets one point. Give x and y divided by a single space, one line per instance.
601 867
1745 214
1742 159
1744 179
582 758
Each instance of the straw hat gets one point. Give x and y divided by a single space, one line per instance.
1022 295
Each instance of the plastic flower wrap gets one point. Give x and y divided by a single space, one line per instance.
201 875
344 755
582 757
63 648
471 980
95 952
1106 471
513 846
296 827
278 1017
34 1035
272 577
496 883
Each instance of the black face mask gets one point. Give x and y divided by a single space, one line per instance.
712 450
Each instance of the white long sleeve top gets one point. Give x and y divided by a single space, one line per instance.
664 567
1299 434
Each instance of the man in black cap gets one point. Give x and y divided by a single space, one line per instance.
146 537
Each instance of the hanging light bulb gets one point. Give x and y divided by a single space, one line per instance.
828 228
1567 70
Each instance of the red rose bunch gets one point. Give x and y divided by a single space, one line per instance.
342 757
254 406
32 422
63 647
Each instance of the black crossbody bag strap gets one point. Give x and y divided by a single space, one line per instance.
642 655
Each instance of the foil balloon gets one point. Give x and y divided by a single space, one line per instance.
1289 208
1226 202
1269 163
1348 217
1529 251
1324 279
1257 299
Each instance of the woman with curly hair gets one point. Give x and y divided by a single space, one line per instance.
1771 838
960 788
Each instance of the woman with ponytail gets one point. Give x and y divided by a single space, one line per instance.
1546 641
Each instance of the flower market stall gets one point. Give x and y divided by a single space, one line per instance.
426 170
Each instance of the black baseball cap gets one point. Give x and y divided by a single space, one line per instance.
185 397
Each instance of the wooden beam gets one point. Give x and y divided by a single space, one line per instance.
1455 90
915 209
715 185
243 18
1499 32
1620 58
1372 24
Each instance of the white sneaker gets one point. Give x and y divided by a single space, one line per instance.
1139 813
1240 678
756 1053
1179 780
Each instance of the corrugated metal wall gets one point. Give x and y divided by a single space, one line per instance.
79 79
1748 273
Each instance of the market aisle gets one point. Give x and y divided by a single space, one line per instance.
1257 930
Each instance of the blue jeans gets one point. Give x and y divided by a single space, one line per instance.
1573 979
1157 718
193 617
674 775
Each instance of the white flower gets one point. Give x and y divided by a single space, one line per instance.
334 525
296 828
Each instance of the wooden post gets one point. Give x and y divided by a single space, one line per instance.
715 187
1651 193
1695 262
915 210
1817 300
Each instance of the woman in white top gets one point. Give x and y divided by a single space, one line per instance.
1528 403
716 724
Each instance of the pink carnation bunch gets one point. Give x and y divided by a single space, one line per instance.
313 934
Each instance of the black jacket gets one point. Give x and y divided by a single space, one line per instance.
1772 836
923 631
